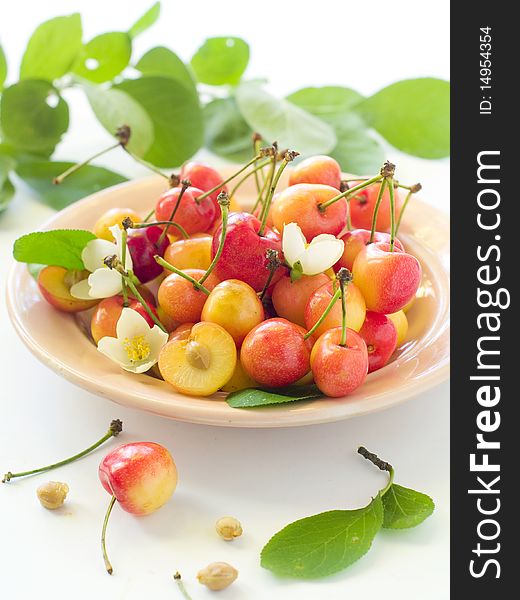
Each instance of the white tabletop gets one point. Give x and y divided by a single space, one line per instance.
266 478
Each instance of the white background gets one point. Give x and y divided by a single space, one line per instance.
265 478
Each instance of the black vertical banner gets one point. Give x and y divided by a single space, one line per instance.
485 393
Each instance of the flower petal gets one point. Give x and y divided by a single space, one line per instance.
81 290
323 237
293 243
140 367
130 324
116 231
320 257
156 337
94 253
114 349
104 283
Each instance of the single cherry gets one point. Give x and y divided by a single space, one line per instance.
363 203
317 169
144 244
204 178
356 240
380 336
189 213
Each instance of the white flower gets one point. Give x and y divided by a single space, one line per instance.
309 259
136 347
102 281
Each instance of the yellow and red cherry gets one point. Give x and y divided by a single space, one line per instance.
180 299
200 364
400 322
380 336
235 306
388 280
290 297
356 240
244 251
141 477
181 332
276 353
317 169
113 216
193 253
338 369
362 206
301 204
144 244
189 213
320 299
106 314
204 178
55 283
240 380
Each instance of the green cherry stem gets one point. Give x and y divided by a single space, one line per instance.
288 157
344 277
137 294
248 175
116 426
223 201
160 260
376 209
183 231
260 197
149 215
333 301
411 190
351 191
257 139
146 164
390 184
59 179
124 285
108 564
221 185
185 185
180 585
380 464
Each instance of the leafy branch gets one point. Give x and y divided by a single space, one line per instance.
175 107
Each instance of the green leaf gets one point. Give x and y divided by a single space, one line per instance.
146 21
405 508
163 62
114 107
252 397
413 115
283 121
176 115
3 67
221 60
39 175
33 116
227 133
327 100
323 544
52 48
60 247
104 57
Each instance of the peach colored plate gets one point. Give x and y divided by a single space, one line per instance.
59 342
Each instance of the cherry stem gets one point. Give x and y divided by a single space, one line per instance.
145 305
124 285
390 184
146 164
108 564
259 199
221 185
183 231
376 209
185 185
380 464
180 585
333 301
173 269
350 191
247 175
223 201
59 179
288 157
411 190
257 138
149 215
344 277
273 263
116 426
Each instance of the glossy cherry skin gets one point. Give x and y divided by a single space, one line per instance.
243 256
300 204
355 241
204 178
387 280
144 245
317 169
275 353
141 475
194 216
363 203
290 297
339 370
380 336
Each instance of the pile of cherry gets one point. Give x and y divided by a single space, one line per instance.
258 299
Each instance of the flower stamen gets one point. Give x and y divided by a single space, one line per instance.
137 348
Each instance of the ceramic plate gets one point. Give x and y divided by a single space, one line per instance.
58 341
